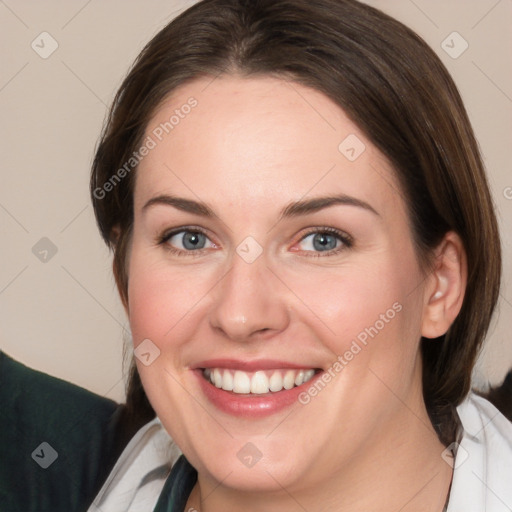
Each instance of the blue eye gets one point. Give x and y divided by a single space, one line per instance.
321 241
324 241
187 240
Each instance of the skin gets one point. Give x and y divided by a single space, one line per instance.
249 148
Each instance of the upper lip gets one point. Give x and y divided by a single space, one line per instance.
249 366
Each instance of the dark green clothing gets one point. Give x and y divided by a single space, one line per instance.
82 430
59 443
177 488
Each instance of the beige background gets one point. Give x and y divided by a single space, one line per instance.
63 316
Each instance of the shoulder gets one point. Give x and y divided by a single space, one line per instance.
33 392
481 479
58 441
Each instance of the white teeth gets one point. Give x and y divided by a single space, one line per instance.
241 382
227 381
217 378
308 375
259 382
289 379
300 378
276 382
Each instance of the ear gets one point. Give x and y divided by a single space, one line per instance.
446 286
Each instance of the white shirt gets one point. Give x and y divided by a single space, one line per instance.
482 476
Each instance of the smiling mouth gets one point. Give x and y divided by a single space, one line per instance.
259 382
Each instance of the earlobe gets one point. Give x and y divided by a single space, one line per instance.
446 286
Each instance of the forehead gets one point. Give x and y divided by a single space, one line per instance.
259 141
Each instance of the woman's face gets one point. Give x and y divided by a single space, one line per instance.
271 245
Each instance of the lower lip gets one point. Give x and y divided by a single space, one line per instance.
251 406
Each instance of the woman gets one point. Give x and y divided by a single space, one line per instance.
305 245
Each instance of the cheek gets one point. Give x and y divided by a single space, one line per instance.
164 300
370 312
349 299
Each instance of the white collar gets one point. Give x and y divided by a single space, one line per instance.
139 474
482 477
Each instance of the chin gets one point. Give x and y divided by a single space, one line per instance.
261 476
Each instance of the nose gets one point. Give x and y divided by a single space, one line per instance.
249 302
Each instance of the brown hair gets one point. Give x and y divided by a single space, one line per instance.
389 82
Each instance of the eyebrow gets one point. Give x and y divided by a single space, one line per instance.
293 209
185 205
319 203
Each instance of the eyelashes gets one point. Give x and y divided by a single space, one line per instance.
192 241
322 240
